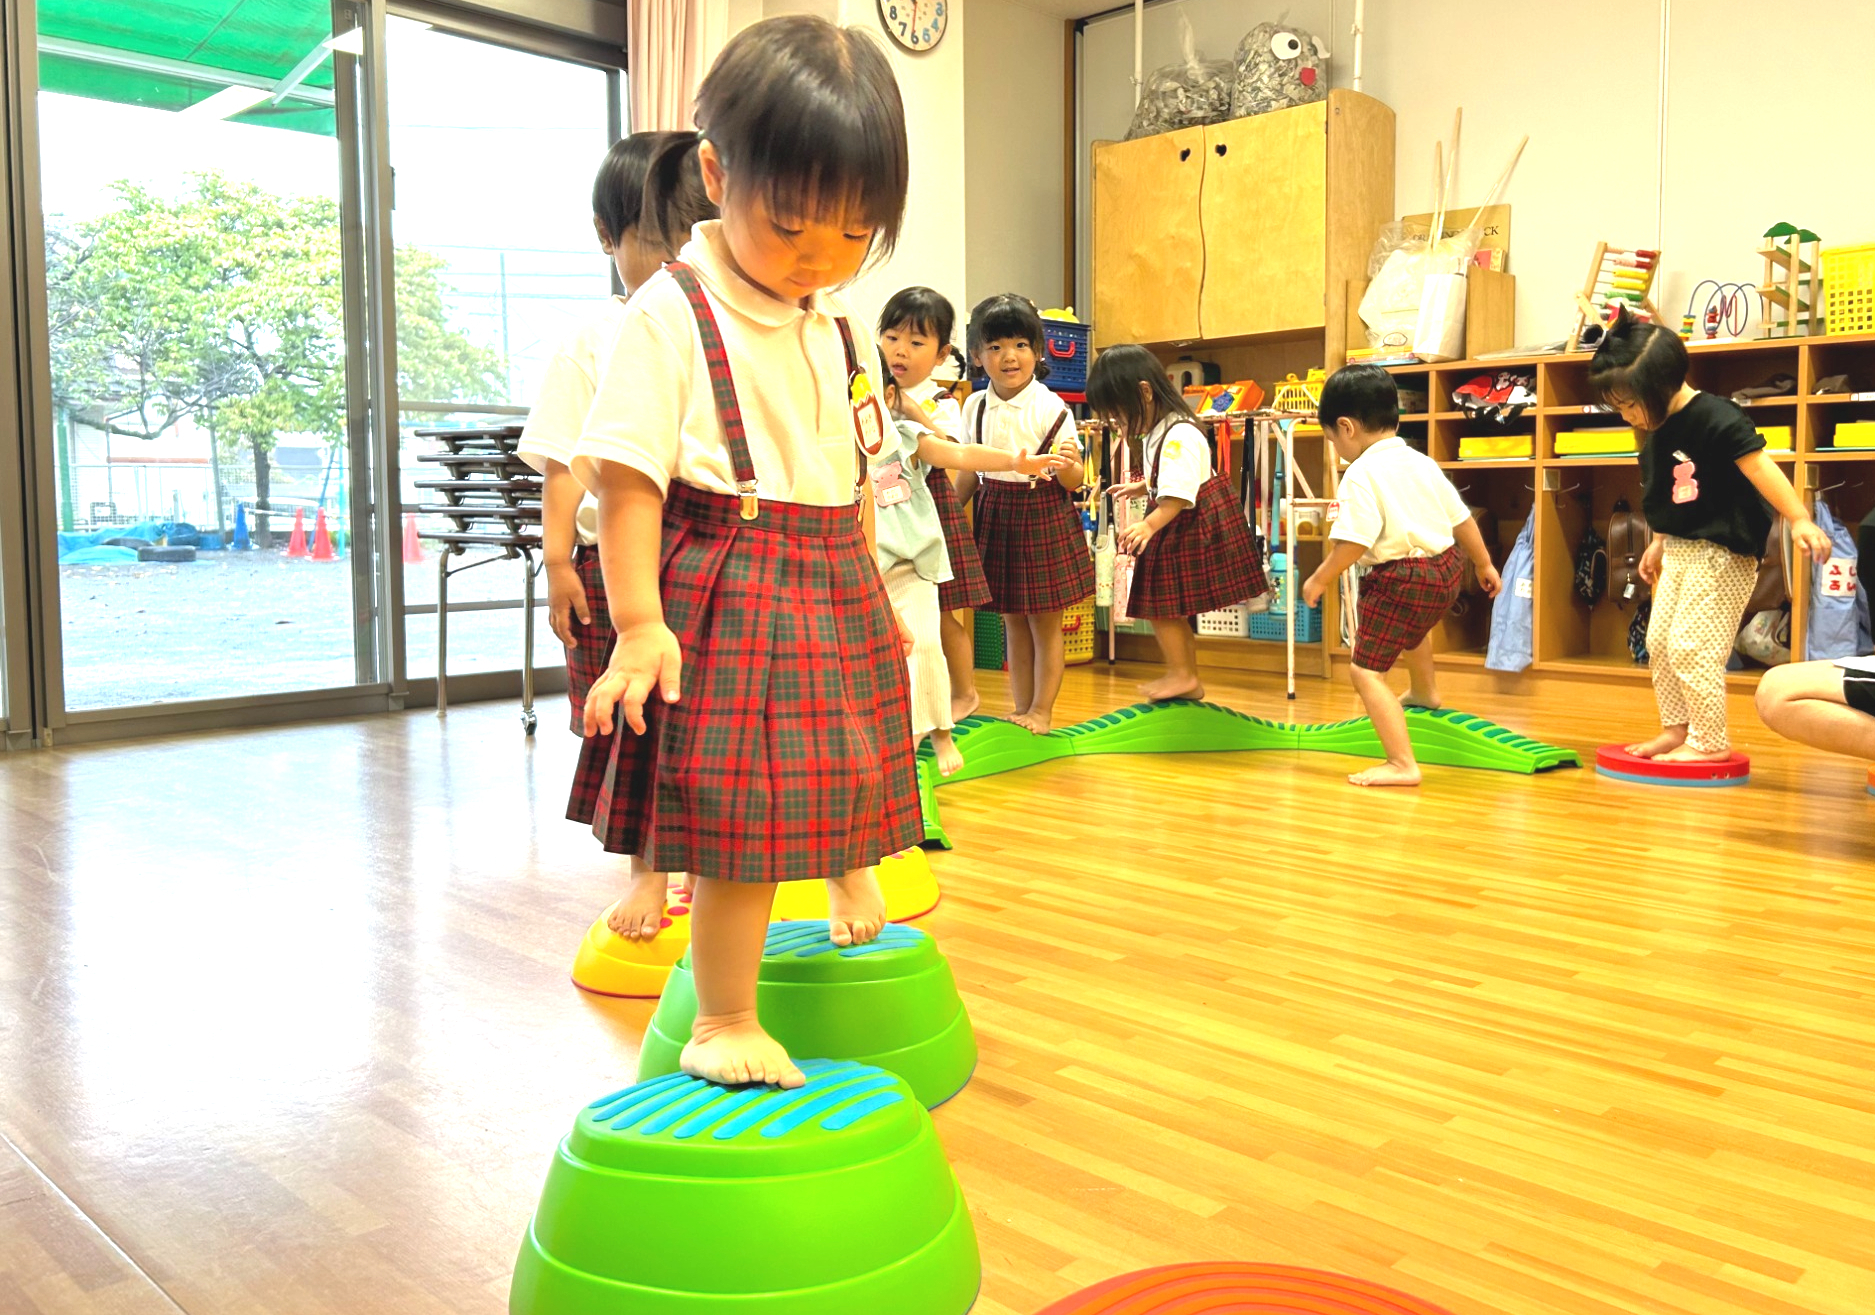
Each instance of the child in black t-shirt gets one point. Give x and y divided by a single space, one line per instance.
1705 483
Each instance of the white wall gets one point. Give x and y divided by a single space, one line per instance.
1012 142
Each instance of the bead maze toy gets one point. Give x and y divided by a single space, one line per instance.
891 1003
1222 1286
1615 761
608 964
680 1197
1792 291
1616 278
1724 313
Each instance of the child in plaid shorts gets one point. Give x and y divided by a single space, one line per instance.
758 668
1401 518
646 198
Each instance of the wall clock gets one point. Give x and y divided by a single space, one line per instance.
917 25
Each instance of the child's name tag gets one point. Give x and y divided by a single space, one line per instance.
1526 587
868 414
888 485
1685 487
1839 578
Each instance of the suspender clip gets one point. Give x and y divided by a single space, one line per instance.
751 505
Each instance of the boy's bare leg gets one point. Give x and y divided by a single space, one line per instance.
1180 647
728 928
1401 768
961 657
1424 691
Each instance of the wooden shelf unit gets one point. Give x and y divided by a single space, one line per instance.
1573 641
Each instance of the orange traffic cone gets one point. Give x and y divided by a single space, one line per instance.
413 546
296 546
322 541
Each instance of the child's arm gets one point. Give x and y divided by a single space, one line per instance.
1775 489
1137 535
1339 559
631 543
1068 444
1471 539
559 517
971 457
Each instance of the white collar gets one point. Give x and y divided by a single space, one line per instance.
1023 398
707 252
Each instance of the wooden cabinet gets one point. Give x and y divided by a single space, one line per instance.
1244 229
1143 237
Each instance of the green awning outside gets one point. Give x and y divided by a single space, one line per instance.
171 54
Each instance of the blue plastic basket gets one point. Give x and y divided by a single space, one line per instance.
1069 346
1273 626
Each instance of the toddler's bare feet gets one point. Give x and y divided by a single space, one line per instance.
1688 754
1387 774
1414 699
949 758
965 704
855 907
1666 742
1169 687
733 1050
639 914
1036 722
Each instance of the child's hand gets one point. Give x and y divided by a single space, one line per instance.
1124 491
1136 536
1810 540
901 405
1652 559
645 658
1036 466
1314 587
566 599
1490 581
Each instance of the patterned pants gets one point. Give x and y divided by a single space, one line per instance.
1698 607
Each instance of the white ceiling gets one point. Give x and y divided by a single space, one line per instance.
1066 8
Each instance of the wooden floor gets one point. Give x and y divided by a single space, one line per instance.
285 1023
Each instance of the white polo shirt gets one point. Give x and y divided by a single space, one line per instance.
566 392
655 411
1184 458
1397 503
1018 424
945 415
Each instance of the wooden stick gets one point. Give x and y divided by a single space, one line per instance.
1503 180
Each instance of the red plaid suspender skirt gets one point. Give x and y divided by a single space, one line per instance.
1029 536
1205 559
787 757
966 588
585 664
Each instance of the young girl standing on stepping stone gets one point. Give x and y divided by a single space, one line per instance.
1705 485
913 551
1028 531
1193 552
915 338
758 668
647 196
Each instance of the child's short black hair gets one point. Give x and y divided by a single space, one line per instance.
808 115
922 310
1638 362
657 166
1009 315
1365 394
1113 389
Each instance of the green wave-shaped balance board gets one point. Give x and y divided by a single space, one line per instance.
1443 737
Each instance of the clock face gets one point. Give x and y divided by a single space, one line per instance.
915 24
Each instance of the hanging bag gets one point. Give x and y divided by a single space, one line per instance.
1835 629
1591 568
1513 612
1628 538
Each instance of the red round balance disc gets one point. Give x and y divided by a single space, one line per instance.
1871 780
1613 760
1231 1288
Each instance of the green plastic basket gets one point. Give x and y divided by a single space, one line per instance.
680 1197
990 652
891 1003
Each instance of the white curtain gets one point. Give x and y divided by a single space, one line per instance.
671 44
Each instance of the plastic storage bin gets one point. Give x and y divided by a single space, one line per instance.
1849 289
1856 434
1077 632
1777 438
1507 447
1272 626
1596 443
1068 346
1226 623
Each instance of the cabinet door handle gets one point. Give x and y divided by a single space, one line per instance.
1221 148
1184 155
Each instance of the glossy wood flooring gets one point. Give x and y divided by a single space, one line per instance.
285 1023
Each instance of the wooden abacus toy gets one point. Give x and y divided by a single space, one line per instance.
1616 278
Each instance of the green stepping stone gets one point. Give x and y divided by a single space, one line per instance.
837 1197
991 747
928 780
1178 727
891 1003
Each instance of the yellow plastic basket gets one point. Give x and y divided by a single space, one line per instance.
1294 394
1849 289
1077 632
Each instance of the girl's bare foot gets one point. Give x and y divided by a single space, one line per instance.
1666 742
965 704
1173 686
1387 774
1036 722
1413 699
949 758
855 907
732 1050
1688 754
639 914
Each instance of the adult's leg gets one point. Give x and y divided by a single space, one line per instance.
1808 702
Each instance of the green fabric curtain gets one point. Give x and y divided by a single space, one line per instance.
148 53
